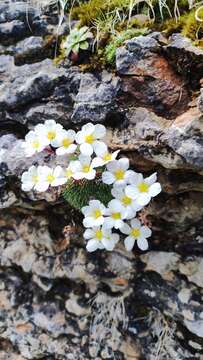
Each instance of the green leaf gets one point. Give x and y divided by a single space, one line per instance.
84 45
79 193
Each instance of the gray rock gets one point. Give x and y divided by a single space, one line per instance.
141 45
30 83
200 101
96 99
186 58
148 77
185 137
13 31
12 10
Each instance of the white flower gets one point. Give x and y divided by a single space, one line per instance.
30 179
131 205
85 168
100 238
94 213
116 213
103 155
142 189
50 129
65 142
34 143
73 167
136 232
117 173
88 137
50 177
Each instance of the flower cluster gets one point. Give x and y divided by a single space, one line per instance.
88 159
130 192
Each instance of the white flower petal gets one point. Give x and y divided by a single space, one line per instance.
146 232
108 223
58 182
80 137
92 245
42 186
88 234
88 128
86 149
97 162
124 163
135 223
118 224
27 186
142 243
58 171
99 131
109 244
108 177
151 179
114 154
115 206
85 210
113 165
84 159
78 175
135 178
132 192
88 221
129 243
30 136
155 189
100 148
143 199
90 175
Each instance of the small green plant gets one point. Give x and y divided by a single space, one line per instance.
76 40
193 28
78 194
118 40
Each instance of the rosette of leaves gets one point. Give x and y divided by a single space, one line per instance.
77 40
79 193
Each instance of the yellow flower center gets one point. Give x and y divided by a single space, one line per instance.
99 235
35 179
86 168
35 144
89 139
97 213
126 200
50 178
143 187
119 174
66 142
116 215
135 232
51 135
68 173
107 157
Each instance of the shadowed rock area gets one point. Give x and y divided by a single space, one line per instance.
57 301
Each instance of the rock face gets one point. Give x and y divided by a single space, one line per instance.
148 77
57 301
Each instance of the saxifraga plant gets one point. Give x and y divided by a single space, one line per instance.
98 184
77 40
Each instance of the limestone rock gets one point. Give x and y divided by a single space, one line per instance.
148 77
96 98
186 58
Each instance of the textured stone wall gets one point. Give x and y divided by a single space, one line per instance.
58 302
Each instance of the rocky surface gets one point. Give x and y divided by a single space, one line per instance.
58 302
